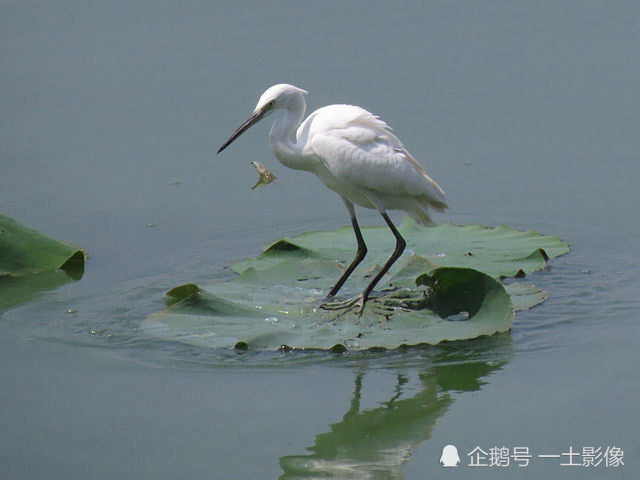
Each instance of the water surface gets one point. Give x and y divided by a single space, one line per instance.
525 113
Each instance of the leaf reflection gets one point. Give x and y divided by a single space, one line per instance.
378 442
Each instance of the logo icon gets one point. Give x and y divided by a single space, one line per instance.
449 457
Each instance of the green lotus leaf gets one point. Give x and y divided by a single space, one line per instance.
31 262
496 251
446 287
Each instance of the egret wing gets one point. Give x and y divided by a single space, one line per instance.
360 150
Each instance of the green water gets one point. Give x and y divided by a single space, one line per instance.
526 113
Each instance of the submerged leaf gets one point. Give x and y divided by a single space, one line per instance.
445 287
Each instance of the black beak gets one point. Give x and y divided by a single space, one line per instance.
254 118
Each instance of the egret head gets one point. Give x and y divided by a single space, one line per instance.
274 98
278 96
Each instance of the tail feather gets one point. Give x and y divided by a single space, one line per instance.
421 216
420 213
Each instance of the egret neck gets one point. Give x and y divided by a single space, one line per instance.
284 145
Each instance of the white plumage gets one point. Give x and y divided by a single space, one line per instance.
355 154
365 162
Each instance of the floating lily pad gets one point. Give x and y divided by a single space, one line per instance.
31 262
446 287
499 251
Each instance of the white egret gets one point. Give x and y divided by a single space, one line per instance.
355 154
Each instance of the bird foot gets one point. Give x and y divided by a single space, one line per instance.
345 306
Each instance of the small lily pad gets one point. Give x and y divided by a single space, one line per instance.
525 296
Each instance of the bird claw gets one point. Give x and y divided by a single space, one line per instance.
345 306
405 300
385 304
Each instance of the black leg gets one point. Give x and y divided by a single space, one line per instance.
362 251
400 245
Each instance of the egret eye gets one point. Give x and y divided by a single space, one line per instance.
272 104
